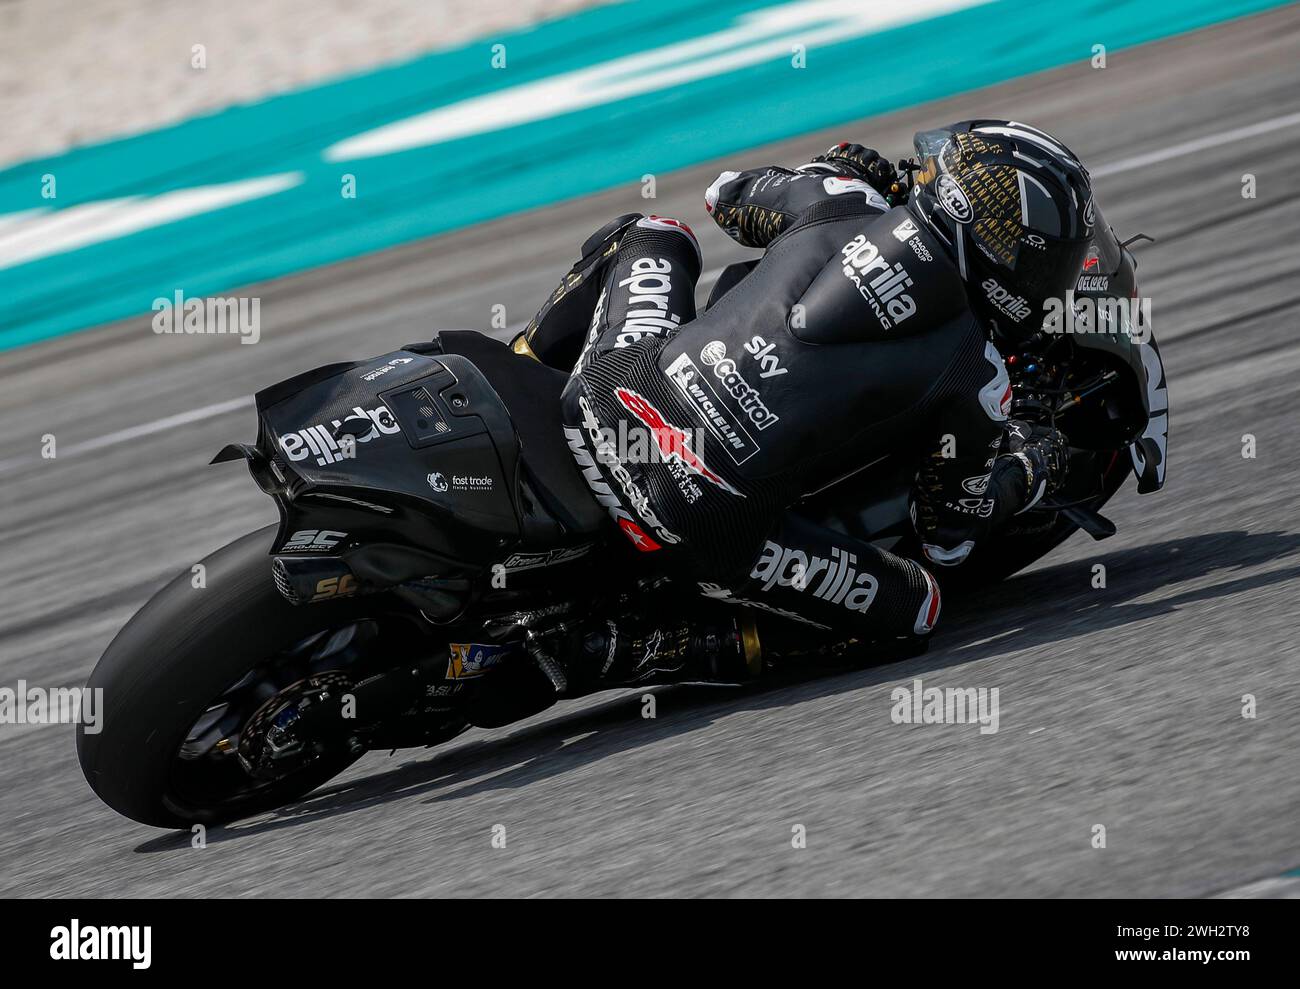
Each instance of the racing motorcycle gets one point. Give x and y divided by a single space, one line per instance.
438 552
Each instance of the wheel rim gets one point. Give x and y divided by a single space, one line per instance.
209 772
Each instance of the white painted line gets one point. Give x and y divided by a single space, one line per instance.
159 425
1280 888
39 233
1114 168
1197 144
136 432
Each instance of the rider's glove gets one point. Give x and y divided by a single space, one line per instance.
1044 453
862 163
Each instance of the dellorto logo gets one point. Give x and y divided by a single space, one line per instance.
881 284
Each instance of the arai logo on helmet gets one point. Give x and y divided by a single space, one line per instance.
1006 303
953 199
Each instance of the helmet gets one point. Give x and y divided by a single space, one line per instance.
1014 206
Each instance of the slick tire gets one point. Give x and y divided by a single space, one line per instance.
177 655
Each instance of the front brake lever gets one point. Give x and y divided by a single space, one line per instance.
902 186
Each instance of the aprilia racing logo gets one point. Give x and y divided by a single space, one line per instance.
884 292
320 440
1004 302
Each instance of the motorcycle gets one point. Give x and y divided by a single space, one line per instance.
437 551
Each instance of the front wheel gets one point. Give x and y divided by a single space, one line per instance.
194 668
1010 551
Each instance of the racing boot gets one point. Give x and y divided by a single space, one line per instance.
554 336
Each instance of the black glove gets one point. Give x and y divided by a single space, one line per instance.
862 163
1045 454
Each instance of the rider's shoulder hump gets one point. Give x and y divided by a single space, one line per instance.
890 278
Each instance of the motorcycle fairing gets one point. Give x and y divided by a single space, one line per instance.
408 461
1111 272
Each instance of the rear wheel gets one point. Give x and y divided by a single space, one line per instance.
204 689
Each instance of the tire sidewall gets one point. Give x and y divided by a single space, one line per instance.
175 656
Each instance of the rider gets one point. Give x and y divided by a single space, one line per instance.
863 330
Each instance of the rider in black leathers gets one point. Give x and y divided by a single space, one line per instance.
863 330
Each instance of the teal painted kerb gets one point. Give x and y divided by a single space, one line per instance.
424 191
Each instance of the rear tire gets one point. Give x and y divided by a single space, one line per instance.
177 655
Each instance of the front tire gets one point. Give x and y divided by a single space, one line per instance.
1010 553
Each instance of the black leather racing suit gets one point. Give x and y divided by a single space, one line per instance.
850 339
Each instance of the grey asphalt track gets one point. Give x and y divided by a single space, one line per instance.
1119 706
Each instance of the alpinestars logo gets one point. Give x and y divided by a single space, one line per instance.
673 441
881 284
319 440
1004 302
840 583
837 185
602 491
648 287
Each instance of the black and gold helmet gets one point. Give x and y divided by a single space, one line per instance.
1015 207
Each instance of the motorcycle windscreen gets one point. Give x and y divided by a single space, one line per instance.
1112 317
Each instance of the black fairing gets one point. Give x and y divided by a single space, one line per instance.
1142 416
407 463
